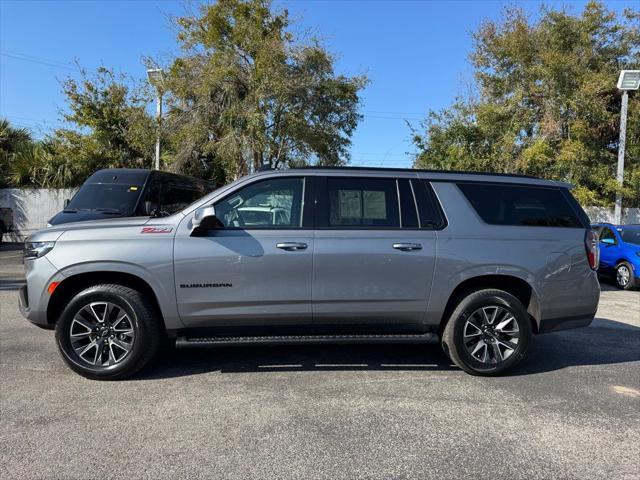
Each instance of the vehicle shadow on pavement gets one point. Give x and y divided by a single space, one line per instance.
604 342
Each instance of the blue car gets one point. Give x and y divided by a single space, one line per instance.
620 253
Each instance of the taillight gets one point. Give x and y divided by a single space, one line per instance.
593 250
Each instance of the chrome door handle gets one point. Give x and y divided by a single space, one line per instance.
291 246
407 247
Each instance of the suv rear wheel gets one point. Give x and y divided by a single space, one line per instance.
487 333
108 332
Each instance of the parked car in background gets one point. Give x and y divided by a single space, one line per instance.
620 253
126 192
6 221
315 255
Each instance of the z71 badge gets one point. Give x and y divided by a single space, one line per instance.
156 229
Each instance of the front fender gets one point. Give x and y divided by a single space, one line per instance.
160 280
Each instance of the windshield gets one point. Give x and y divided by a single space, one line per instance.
630 235
108 197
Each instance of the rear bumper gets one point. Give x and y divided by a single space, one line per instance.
565 323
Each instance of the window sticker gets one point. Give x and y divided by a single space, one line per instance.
350 204
374 205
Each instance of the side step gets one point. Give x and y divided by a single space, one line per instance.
191 342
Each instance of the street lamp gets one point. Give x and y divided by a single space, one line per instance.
156 78
629 80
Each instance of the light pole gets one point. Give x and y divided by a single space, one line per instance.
156 78
628 80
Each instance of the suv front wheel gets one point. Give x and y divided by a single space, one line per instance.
108 332
487 333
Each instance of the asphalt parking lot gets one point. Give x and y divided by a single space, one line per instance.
570 410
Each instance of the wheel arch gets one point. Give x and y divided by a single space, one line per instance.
72 285
516 286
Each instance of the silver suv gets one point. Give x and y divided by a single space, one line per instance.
342 255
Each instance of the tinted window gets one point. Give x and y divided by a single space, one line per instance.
431 215
630 235
362 202
407 205
116 197
175 197
267 204
521 205
167 195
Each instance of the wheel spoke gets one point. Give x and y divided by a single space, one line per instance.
494 314
81 351
87 328
121 345
97 316
481 346
118 320
497 354
502 326
475 330
112 356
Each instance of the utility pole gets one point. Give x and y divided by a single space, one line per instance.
628 80
621 148
156 78
158 126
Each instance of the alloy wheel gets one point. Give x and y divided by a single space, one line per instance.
491 334
623 275
102 334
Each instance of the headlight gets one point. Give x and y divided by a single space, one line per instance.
37 249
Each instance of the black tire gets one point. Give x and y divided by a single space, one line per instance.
453 342
145 324
617 277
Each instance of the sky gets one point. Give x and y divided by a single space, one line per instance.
415 54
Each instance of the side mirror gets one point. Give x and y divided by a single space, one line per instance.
66 202
204 219
608 241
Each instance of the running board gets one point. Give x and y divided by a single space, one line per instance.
191 342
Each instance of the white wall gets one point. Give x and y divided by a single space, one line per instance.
604 214
32 208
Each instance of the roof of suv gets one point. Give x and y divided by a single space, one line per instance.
455 175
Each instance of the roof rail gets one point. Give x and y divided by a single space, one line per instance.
422 170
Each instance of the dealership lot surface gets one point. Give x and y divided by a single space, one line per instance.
569 411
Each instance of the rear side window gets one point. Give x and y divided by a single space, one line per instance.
361 202
500 204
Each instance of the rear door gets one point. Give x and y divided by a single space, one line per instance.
373 259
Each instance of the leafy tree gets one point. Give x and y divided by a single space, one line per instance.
113 126
547 103
12 141
246 93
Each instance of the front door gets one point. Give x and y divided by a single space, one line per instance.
609 250
373 264
256 268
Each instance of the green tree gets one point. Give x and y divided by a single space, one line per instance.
112 125
13 141
546 104
246 93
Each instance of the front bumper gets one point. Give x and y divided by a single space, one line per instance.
33 298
